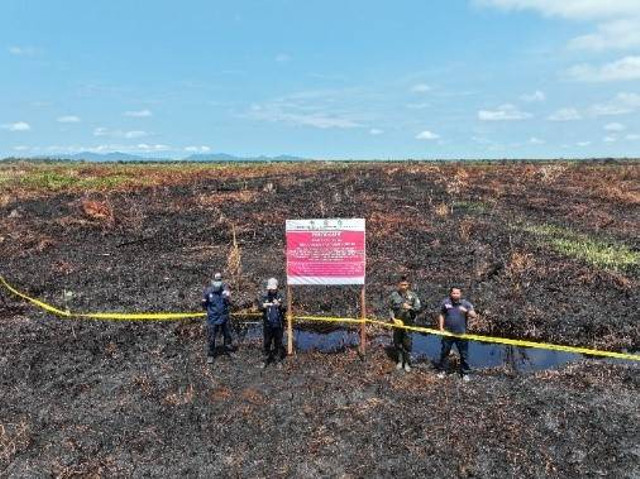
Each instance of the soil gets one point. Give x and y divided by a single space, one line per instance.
92 399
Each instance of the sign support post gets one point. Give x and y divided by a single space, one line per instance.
326 252
289 321
363 326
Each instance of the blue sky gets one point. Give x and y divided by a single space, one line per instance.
322 79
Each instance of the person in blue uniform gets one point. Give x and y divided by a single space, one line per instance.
217 300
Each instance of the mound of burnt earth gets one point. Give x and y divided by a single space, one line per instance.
92 399
544 251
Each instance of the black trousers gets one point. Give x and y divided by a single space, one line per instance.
463 348
213 330
273 348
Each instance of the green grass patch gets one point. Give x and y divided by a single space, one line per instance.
48 180
69 179
477 207
600 253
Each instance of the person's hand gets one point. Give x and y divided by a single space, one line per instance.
406 305
266 305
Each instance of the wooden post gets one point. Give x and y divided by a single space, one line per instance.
363 316
289 322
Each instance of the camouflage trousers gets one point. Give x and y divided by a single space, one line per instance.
403 342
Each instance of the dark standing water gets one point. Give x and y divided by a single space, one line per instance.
426 348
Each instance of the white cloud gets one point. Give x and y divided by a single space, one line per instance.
583 143
108 148
316 120
565 114
506 112
197 149
23 51
536 141
320 121
138 113
619 27
627 68
571 9
610 139
322 109
144 147
614 127
376 131
135 134
17 126
101 131
21 148
420 88
621 104
619 34
632 136
282 58
534 97
68 119
427 135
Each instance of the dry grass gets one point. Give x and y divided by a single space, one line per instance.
100 211
459 182
13 439
234 259
442 210
465 230
219 198
180 397
549 173
520 262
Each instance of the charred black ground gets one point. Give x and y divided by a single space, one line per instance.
545 251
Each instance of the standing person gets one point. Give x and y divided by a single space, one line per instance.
273 306
404 306
454 315
216 300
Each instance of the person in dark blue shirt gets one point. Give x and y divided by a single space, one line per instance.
454 315
216 300
273 307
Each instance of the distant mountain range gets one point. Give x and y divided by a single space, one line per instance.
204 158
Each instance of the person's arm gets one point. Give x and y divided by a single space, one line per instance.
393 304
417 305
392 315
441 322
283 304
262 303
205 300
471 313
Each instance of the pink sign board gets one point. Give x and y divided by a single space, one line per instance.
326 252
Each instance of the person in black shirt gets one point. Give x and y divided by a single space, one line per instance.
273 306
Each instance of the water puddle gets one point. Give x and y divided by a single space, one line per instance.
426 348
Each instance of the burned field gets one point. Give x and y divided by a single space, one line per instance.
545 251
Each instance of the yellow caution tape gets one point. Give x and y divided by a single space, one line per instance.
112 316
385 324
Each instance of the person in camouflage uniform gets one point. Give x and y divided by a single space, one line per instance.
404 306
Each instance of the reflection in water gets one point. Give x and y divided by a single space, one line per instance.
426 348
